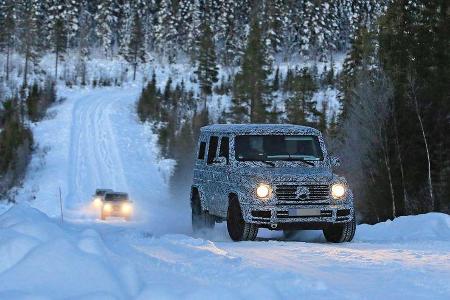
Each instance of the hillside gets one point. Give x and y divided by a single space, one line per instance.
156 255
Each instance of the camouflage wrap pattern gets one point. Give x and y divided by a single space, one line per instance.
215 182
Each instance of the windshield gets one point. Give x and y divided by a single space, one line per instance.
277 147
101 192
116 197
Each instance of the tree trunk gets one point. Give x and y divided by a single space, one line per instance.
400 160
388 168
413 97
56 64
25 73
83 73
7 62
425 141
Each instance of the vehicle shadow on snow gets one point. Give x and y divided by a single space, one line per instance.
220 234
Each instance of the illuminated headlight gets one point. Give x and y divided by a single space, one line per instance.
126 208
97 202
107 207
338 191
263 191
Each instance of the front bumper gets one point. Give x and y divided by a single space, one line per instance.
277 217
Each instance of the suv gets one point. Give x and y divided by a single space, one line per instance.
99 196
116 205
269 176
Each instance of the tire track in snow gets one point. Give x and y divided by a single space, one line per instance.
94 159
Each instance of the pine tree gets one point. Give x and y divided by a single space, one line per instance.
166 34
84 40
106 22
273 24
231 31
28 33
301 106
190 26
32 103
72 19
250 101
362 54
149 102
58 31
322 125
7 34
124 22
207 70
136 48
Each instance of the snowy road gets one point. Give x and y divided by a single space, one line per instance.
95 141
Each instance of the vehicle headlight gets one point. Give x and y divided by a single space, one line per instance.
126 208
263 191
97 202
107 207
338 191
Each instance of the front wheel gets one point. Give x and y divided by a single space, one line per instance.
238 229
340 233
200 218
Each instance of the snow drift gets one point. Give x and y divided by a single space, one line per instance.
426 227
41 257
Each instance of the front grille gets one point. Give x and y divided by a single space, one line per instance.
287 194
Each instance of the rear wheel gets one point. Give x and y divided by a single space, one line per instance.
200 219
340 233
238 229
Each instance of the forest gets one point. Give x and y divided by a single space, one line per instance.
372 75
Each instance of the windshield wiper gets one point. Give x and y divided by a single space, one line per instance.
308 162
261 160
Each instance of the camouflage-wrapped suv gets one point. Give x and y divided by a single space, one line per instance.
272 176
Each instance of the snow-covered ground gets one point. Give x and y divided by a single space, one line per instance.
93 140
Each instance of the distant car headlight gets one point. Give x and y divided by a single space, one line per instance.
126 208
338 191
263 191
107 207
97 202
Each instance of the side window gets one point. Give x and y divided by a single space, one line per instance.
201 151
224 150
212 149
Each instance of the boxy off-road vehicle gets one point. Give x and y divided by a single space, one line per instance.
116 204
278 177
99 197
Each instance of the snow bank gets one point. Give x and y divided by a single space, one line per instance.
40 258
431 226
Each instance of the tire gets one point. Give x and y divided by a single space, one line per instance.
289 234
200 219
340 233
238 229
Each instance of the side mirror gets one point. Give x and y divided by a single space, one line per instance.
220 160
335 161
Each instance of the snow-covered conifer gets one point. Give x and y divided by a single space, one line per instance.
7 34
207 70
106 21
28 31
